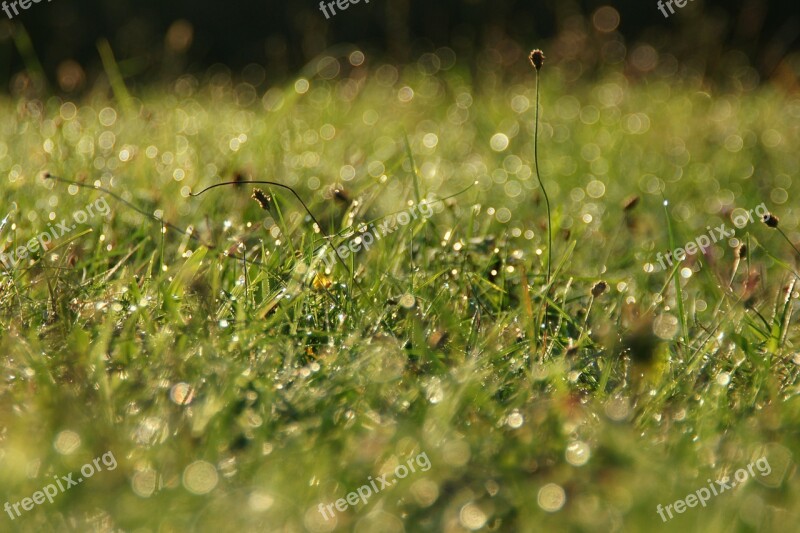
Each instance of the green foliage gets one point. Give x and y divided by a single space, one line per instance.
217 335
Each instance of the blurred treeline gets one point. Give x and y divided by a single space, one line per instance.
157 40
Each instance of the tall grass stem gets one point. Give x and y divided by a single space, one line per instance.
541 183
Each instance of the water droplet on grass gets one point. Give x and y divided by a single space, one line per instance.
515 420
181 393
551 498
407 301
200 477
472 517
578 453
665 326
144 482
67 442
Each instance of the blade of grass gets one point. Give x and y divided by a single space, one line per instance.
114 76
676 278
414 173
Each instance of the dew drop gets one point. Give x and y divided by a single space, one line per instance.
578 453
551 498
182 393
200 477
515 420
472 517
67 442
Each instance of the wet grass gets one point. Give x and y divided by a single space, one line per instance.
239 385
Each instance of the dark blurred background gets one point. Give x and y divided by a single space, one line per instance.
153 40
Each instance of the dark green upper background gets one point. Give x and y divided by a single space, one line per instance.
283 35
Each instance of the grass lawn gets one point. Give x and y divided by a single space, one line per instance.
197 347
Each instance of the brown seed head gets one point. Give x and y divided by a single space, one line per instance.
438 338
537 59
238 178
599 288
770 220
630 203
341 196
741 252
263 199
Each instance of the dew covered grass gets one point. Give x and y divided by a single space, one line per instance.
239 385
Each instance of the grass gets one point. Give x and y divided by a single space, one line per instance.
226 360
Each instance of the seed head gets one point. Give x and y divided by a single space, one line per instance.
630 203
741 252
341 196
599 288
238 178
641 344
263 199
537 59
770 220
